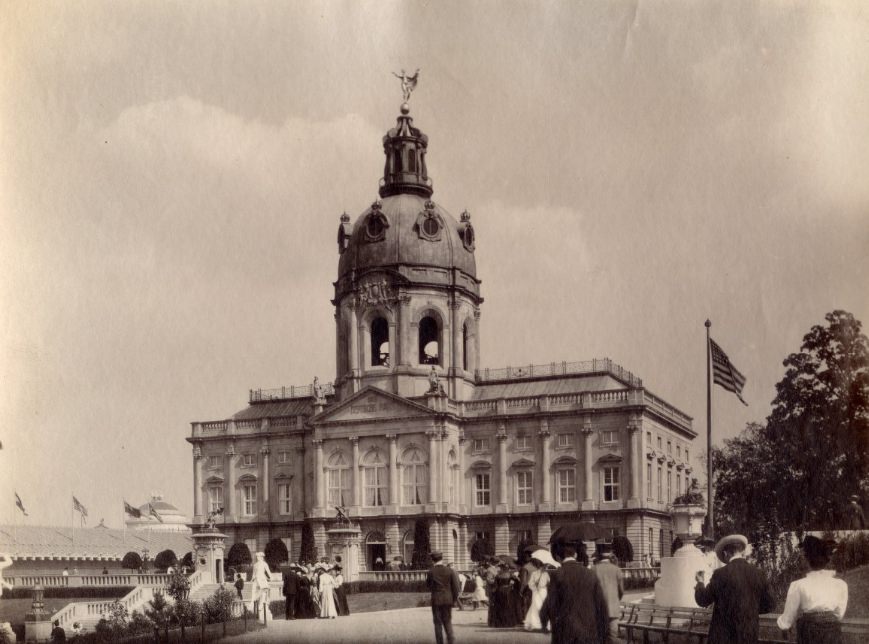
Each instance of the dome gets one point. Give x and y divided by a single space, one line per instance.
158 514
408 230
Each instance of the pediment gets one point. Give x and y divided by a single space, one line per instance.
609 458
372 404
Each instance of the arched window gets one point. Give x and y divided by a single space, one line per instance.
407 546
414 474
465 335
338 480
374 477
379 342
429 341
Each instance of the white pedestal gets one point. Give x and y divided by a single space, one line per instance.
676 585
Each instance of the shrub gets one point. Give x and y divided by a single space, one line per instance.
309 550
238 555
165 559
138 623
623 549
178 586
851 552
421 545
158 610
187 612
276 553
131 561
218 607
64 592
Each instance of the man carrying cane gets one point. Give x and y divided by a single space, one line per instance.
443 582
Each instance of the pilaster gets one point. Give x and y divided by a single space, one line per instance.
197 484
394 474
501 436
545 466
229 492
588 465
357 484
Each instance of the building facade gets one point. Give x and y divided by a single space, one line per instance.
414 426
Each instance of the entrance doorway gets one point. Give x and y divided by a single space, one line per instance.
375 548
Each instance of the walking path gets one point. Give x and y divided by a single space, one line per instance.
407 625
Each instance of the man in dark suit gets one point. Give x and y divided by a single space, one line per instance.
443 582
291 587
576 603
739 591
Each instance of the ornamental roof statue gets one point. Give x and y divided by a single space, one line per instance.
408 83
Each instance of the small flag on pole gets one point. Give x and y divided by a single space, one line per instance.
20 504
133 512
78 507
725 374
153 513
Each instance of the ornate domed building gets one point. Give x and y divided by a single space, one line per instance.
158 515
414 427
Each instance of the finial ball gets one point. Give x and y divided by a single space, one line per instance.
405 109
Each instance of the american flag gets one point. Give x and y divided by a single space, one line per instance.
133 512
78 507
724 373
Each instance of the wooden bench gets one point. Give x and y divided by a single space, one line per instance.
639 621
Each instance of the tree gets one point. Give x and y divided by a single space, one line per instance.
178 587
165 559
798 469
238 555
309 551
481 549
276 553
623 549
421 558
187 561
131 561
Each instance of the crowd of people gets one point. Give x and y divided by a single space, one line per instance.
315 591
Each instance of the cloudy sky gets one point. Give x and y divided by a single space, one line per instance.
172 174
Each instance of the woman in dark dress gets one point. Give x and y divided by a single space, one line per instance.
340 593
305 607
506 602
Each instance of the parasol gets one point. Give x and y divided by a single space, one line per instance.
507 560
544 556
577 531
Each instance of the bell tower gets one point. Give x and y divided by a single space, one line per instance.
407 299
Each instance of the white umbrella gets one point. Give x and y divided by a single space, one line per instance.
545 557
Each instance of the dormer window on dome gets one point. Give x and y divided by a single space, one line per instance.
376 224
344 233
429 224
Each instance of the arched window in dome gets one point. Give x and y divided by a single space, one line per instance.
379 342
429 341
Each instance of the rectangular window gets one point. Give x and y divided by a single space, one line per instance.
686 455
482 491
215 497
649 481
679 451
660 443
669 447
213 461
480 444
375 486
651 542
247 460
283 457
249 491
565 440
649 438
669 485
338 486
524 487
678 483
660 485
284 499
610 484
523 442
567 485
414 484
609 437
524 536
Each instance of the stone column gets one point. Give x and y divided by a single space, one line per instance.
433 467
460 483
443 487
404 349
354 343
197 483
318 473
477 362
502 468
637 462
266 506
356 482
394 499
587 482
456 361
230 483
545 464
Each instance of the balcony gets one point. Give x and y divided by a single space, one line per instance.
288 393
598 365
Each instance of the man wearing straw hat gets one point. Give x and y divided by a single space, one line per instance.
739 591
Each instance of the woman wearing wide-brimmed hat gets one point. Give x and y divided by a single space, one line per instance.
817 602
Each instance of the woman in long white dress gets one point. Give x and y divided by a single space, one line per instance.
327 596
538 582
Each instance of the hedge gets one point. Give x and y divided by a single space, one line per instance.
65 592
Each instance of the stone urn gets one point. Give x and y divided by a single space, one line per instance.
688 522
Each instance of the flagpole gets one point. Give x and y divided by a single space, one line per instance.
709 517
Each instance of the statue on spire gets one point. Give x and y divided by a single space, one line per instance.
408 83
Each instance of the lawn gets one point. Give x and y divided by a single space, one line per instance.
12 610
858 592
370 602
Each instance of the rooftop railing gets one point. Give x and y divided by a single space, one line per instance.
598 365
288 393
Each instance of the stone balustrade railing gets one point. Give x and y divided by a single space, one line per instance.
72 581
392 575
92 611
598 365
